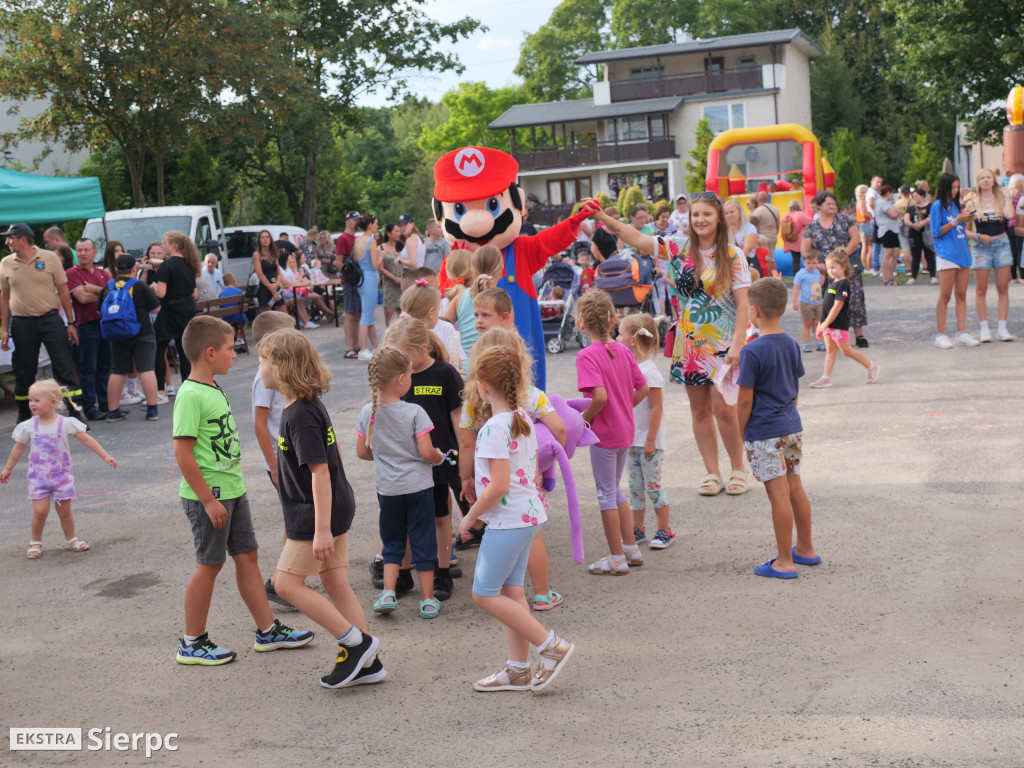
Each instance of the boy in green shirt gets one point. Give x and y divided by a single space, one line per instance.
207 450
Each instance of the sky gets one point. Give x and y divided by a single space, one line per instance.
488 56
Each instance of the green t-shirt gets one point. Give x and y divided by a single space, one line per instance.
202 413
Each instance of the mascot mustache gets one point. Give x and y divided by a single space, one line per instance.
503 222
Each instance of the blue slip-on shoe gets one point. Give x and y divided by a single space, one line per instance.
765 569
805 560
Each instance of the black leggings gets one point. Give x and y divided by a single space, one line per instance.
161 362
916 247
1015 246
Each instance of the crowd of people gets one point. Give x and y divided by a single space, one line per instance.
454 415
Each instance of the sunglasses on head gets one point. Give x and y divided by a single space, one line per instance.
708 195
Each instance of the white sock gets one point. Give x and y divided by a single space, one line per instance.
517 664
189 639
547 643
130 385
1002 325
351 638
618 558
630 548
264 631
984 325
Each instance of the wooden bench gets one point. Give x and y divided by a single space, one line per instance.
224 306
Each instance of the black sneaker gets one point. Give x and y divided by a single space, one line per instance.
455 571
443 586
95 415
377 571
273 597
405 583
862 342
374 673
350 662
472 540
114 416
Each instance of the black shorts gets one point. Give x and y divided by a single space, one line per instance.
350 295
137 354
264 297
441 488
890 240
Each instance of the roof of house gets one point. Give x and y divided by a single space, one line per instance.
580 110
775 37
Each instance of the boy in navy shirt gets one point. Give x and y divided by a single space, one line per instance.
770 368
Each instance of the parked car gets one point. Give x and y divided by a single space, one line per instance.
136 228
242 241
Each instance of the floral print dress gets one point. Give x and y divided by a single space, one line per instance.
707 320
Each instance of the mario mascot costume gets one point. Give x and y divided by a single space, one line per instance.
477 202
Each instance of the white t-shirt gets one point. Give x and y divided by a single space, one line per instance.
272 399
748 229
23 431
536 404
521 505
870 198
680 220
450 339
642 411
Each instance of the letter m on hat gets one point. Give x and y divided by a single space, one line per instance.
469 161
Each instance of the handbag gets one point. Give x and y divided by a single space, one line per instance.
251 288
352 273
670 339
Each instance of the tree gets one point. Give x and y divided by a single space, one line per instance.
697 170
844 155
471 107
546 57
925 162
339 50
835 102
144 88
966 54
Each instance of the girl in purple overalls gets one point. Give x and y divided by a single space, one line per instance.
49 462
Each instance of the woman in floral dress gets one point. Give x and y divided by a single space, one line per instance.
712 277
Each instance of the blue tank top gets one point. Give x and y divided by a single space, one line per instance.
366 263
468 333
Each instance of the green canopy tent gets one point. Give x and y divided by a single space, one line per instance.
46 199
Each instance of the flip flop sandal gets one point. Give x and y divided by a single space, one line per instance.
737 479
548 601
710 485
75 544
605 567
429 608
352 354
35 549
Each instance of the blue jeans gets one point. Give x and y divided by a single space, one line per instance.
876 254
94 366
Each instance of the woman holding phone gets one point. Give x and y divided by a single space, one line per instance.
953 259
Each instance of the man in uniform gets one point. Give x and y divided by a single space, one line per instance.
32 288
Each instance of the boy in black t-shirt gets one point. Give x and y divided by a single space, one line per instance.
318 506
835 325
135 354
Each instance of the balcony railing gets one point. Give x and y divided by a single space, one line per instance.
687 85
595 154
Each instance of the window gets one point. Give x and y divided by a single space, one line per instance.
656 126
722 117
653 184
647 73
203 231
563 191
748 62
634 128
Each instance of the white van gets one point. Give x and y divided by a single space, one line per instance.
136 228
242 241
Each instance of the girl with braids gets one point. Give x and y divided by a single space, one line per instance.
394 435
507 500
422 301
610 378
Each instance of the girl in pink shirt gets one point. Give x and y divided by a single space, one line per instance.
608 375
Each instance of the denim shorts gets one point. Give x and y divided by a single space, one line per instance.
992 255
777 457
213 544
501 561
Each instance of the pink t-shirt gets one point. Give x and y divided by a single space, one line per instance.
620 376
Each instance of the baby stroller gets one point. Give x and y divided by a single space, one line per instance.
560 287
628 282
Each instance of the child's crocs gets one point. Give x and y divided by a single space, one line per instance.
386 602
429 608
548 601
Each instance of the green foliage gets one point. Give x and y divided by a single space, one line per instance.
602 197
697 166
925 162
198 178
844 155
629 197
471 107
546 57
835 102
107 164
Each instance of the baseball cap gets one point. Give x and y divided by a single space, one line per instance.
680 197
405 218
352 215
473 173
125 262
18 230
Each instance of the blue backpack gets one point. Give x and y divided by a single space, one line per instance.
118 320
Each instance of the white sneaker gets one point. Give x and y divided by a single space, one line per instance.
162 399
984 335
131 398
942 341
965 339
1003 335
310 326
170 390
365 355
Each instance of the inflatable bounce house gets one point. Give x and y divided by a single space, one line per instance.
744 161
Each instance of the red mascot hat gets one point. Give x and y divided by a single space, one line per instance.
473 173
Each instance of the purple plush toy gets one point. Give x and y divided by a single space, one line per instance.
549 451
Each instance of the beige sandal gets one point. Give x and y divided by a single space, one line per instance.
710 485
738 484
35 549
75 544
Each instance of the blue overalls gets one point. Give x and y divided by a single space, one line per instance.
527 316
